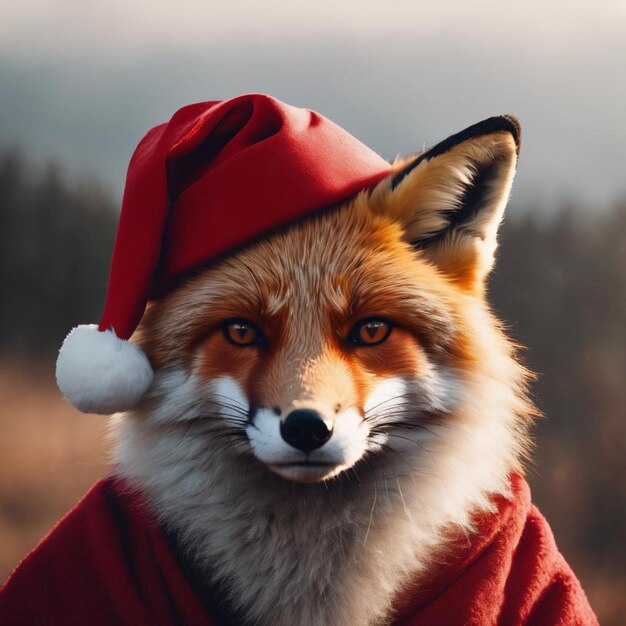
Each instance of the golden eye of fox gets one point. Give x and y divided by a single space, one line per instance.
242 332
370 332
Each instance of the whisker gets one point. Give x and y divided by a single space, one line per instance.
239 408
206 417
369 525
419 445
403 396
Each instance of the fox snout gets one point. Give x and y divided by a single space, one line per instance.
309 442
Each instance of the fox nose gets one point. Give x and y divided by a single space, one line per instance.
305 430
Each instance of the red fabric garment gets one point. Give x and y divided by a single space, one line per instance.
511 574
106 563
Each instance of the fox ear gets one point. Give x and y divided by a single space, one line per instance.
450 199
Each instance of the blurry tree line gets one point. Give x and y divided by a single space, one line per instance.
559 284
55 246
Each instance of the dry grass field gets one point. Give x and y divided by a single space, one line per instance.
49 456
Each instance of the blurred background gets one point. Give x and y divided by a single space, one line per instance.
81 82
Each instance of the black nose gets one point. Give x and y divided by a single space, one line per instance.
305 429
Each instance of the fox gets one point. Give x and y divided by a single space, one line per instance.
330 400
335 426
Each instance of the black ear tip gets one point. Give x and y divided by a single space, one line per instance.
507 123
511 123
495 124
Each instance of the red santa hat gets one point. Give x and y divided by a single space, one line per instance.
216 176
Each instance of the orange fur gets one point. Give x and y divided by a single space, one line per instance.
305 288
314 290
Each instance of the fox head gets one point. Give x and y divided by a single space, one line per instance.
353 341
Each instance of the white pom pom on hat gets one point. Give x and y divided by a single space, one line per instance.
216 176
100 373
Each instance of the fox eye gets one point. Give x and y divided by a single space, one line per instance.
370 332
241 333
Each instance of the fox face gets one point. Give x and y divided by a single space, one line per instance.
350 333
344 368
317 344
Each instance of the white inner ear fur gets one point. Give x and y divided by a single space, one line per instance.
427 199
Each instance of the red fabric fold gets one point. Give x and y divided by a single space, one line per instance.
510 574
104 563
107 563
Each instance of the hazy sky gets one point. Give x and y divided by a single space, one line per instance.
83 81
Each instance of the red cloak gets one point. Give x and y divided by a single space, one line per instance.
106 563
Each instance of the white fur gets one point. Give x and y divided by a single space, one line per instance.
386 394
336 552
345 447
228 393
100 373
267 443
